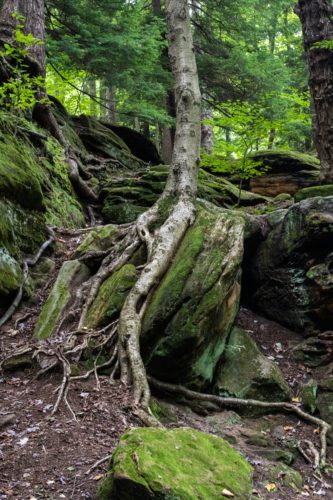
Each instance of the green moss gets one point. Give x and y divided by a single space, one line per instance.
313 192
186 325
10 273
72 273
247 374
99 239
290 476
19 363
304 160
111 297
308 395
181 464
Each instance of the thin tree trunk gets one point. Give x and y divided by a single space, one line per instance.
207 132
92 91
112 106
157 137
102 109
271 138
146 129
316 17
136 122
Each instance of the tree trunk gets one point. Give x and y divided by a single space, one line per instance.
136 123
102 108
33 12
157 137
179 196
316 17
146 129
92 92
207 132
271 138
112 106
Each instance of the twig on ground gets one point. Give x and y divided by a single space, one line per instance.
98 384
96 464
73 488
67 372
300 449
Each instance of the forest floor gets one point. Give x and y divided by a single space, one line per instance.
49 457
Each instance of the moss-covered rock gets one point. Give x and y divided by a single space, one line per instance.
289 171
10 273
288 279
98 138
314 192
290 476
246 373
111 297
139 145
277 455
308 395
187 323
99 239
313 352
181 464
325 407
17 363
125 199
42 272
72 274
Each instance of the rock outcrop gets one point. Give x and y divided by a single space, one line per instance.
289 278
175 464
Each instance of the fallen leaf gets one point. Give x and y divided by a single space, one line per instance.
295 400
62 241
70 468
50 482
10 492
255 492
227 493
23 441
316 431
271 487
288 428
97 477
306 487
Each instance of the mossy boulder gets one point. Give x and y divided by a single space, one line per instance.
245 373
180 464
100 139
42 272
10 273
276 455
314 192
139 145
288 279
188 321
289 171
290 476
308 395
100 239
111 297
72 274
17 363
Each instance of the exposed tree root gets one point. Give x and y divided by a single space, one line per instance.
25 270
288 407
32 133
79 185
92 216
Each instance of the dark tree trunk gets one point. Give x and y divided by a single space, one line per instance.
316 17
271 138
33 12
146 129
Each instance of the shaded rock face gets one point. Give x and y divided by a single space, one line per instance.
175 464
289 278
289 172
97 240
125 199
139 145
10 273
244 372
188 321
100 139
71 275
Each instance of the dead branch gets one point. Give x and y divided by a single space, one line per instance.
66 375
34 134
96 464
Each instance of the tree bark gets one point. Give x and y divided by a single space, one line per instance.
207 132
181 188
146 129
102 109
316 17
112 106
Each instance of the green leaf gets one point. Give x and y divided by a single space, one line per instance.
70 468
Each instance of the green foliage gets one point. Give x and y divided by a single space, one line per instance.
19 92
